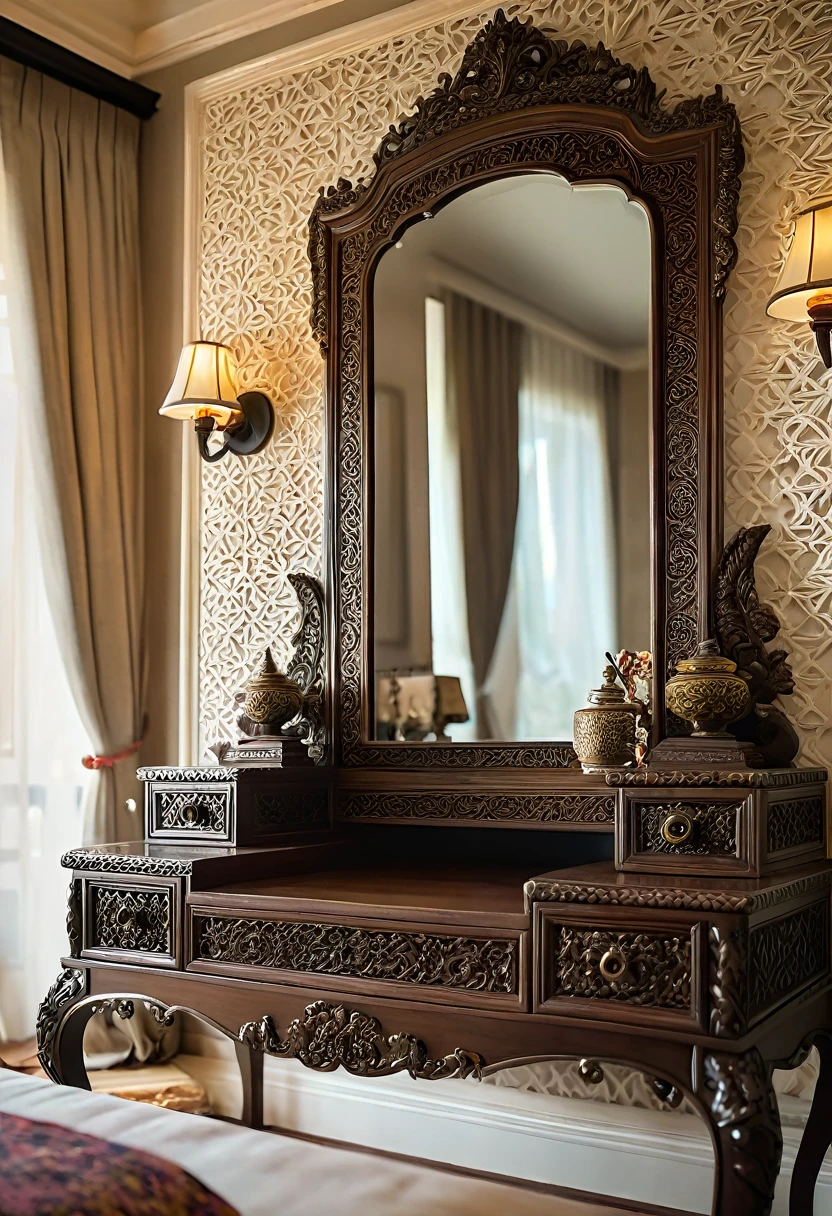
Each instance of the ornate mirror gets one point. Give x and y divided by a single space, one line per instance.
521 315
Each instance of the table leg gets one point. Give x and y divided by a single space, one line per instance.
817 1135
745 1123
250 1063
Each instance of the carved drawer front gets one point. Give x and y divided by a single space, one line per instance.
795 827
629 971
449 965
131 922
684 832
177 810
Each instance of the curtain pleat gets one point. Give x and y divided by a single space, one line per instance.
71 165
483 350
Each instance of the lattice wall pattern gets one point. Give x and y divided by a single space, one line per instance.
269 147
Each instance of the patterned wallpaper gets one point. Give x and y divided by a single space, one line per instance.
268 148
266 151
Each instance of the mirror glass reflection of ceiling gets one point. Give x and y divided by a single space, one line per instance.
580 255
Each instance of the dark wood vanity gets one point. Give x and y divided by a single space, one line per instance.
449 908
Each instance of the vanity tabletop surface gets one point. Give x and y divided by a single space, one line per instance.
489 895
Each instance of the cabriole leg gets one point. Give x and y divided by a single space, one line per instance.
817 1135
250 1063
742 1110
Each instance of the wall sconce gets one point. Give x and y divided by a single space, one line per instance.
804 289
205 389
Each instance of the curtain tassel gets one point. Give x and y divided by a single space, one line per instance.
96 762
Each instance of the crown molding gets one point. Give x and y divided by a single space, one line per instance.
24 46
117 48
109 47
407 18
211 25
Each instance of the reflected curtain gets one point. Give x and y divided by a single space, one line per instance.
483 354
71 165
564 575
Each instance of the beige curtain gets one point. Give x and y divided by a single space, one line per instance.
71 166
483 356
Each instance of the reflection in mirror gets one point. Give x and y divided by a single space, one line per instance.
512 459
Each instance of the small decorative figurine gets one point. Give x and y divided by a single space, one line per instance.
605 732
707 693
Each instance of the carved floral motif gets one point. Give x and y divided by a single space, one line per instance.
328 1037
523 808
474 964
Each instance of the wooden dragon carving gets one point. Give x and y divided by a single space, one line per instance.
743 627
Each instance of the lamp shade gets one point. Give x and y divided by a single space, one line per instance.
205 385
807 271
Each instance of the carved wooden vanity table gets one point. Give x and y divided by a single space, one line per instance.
447 909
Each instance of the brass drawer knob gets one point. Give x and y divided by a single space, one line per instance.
677 827
613 965
190 812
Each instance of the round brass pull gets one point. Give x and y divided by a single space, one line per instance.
613 965
677 827
190 813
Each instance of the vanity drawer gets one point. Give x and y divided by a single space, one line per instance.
454 965
182 811
130 922
629 968
678 831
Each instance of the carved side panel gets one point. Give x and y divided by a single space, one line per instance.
139 920
784 955
795 821
587 809
276 812
473 964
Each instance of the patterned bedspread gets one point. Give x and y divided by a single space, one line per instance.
47 1170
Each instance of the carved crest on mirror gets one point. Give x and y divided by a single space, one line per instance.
523 101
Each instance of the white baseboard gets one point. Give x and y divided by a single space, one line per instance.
648 1156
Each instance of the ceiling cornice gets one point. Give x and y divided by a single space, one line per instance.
116 47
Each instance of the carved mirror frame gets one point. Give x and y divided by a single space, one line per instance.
524 102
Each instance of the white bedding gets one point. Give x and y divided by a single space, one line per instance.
262 1174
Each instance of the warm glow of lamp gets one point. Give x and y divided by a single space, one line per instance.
205 385
204 391
804 289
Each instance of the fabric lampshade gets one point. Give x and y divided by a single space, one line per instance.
205 384
807 271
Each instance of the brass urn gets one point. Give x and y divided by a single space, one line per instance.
605 732
271 698
706 691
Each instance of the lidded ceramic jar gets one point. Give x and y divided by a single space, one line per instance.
605 732
706 691
271 698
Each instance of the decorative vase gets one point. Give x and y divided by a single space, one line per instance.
271 698
707 693
605 731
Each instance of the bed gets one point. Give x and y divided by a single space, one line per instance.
259 1173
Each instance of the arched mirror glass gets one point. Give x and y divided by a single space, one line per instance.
512 469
